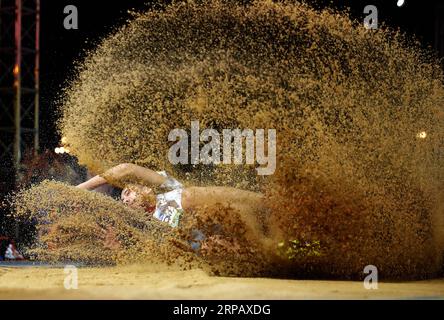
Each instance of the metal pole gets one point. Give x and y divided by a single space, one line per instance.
17 95
17 84
37 78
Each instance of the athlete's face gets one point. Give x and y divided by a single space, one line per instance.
132 195
128 196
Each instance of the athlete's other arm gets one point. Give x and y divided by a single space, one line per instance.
122 171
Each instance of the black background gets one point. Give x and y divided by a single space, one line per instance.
289 309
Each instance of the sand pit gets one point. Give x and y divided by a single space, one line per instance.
147 282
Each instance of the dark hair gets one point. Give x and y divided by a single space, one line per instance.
110 191
115 192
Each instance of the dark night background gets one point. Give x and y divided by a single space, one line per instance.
60 48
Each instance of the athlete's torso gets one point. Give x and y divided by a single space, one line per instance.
169 204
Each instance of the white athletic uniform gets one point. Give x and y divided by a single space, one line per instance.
169 205
169 209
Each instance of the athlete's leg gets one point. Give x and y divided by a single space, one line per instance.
246 204
195 197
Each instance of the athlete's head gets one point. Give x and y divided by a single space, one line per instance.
138 196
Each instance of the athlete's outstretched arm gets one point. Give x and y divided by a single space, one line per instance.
124 170
143 175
